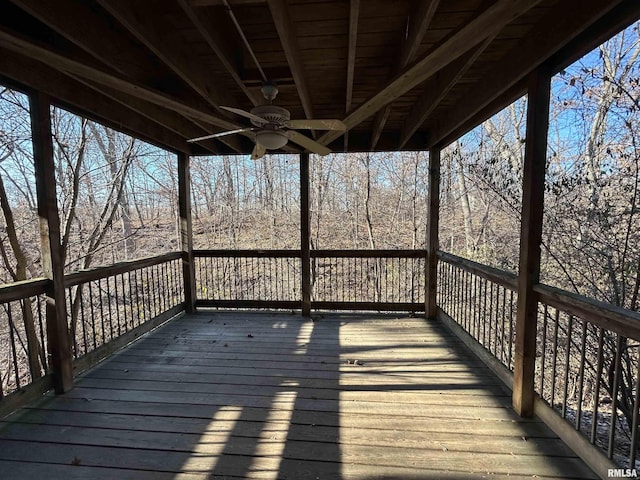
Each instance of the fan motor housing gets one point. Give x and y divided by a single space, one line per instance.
271 113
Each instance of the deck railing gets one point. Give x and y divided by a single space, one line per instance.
587 359
107 307
340 279
368 279
482 300
248 278
588 369
24 356
588 352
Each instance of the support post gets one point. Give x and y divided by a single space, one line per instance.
59 346
186 232
530 240
305 235
433 222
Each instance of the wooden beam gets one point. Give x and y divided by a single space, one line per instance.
184 127
28 74
305 234
286 32
215 41
186 233
553 32
419 21
59 346
486 24
498 104
22 46
433 221
437 89
530 239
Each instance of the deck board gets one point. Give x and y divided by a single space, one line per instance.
242 395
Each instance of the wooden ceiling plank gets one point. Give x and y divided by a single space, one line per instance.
553 32
79 24
488 23
217 45
285 28
437 89
13 42
141 25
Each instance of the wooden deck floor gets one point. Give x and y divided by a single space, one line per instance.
245 395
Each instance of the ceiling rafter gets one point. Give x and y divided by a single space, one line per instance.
437 89
419 21
217 45
556 29
136 21
488 23
284 26
354 13
130 16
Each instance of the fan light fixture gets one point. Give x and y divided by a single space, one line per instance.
270 139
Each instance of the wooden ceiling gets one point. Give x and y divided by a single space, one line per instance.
401 74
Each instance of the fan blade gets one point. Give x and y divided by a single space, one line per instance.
250 116
316 124
258 152
220 134
306 142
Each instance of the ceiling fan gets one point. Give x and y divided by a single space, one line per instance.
273 127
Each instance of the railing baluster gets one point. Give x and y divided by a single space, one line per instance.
117 302
596 397
633 447
80 300
566 367
614 395
14 353
72 327
555 357
583 353
545 311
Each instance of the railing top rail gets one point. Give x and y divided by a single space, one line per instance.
24 289
84 276
506 279
610 317
361 253
245 253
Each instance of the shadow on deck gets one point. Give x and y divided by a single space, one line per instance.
248 395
